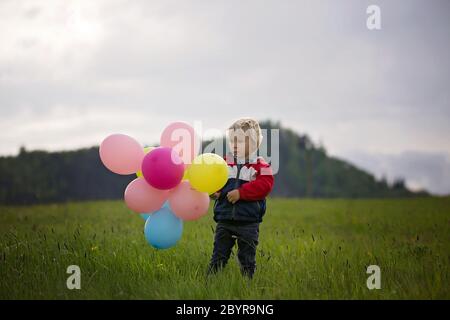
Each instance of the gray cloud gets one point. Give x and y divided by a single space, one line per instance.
421 170
71 72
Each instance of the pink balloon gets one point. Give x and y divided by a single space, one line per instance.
182 138
121 154
143 198
162 168
187 203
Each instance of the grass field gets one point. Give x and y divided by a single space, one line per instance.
309 249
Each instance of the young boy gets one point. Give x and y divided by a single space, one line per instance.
240 204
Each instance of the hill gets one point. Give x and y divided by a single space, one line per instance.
305 170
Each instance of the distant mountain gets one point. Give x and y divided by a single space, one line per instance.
305 170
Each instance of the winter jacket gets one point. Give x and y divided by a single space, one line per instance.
254 182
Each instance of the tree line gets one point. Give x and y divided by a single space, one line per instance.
305 170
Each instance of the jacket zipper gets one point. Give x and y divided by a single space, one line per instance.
239 167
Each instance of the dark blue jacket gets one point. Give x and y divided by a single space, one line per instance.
253 188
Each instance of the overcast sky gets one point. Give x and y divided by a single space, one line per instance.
72 72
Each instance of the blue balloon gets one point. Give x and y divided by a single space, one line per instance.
146 215
163 229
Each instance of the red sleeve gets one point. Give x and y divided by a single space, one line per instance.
259 188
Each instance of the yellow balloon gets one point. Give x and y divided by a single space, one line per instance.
146 150
208 173
186 174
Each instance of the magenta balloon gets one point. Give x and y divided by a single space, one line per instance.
182 138
162 168
121 154
143 198
187 203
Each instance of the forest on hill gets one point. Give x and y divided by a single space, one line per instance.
305 170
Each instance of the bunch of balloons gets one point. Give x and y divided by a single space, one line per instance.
173 181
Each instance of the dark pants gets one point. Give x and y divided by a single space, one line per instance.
225 237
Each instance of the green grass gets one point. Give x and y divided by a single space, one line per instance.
309 249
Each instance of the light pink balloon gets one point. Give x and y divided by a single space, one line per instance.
182 138
143 198
187 203
121 154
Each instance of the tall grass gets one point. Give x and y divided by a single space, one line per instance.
309 249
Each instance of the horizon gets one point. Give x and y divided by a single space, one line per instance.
379 177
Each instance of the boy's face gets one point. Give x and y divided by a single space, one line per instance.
242 143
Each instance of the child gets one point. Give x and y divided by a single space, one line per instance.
240 204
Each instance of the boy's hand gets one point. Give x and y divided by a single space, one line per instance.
233 196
